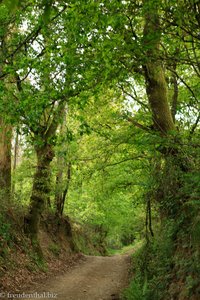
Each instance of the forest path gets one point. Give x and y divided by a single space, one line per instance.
94 278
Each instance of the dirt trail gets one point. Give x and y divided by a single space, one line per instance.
95 278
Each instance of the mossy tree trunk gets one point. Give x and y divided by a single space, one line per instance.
44 145
156 85
63 175
5 160
41 188
163 120
15 159
61 194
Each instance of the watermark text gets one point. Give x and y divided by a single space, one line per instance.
35 295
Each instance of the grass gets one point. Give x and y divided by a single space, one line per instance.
135 246
55 249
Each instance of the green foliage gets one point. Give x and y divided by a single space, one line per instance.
12 4
38 262
22 178
168 265
131 248
75 85
107 183
195 231
134 292
55 249
5 235
88 239
152 266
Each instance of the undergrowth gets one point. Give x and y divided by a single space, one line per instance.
167 266
166 269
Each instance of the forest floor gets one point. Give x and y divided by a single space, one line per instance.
92 278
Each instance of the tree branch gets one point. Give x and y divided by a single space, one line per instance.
124 160
134 98
143 127
184 82
194 127
32 36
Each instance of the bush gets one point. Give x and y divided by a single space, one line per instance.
153 265
55 249
5 236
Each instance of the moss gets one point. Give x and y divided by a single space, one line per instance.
55 249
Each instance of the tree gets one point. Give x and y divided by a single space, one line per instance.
141 46
156 85
61 73
5 160
6 37
106 183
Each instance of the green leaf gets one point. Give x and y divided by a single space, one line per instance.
12 4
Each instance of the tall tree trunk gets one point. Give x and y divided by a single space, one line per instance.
15 158
156 85
5 160
40 190
41 181
62 181
60 196
157 92
174 97
58 190
65 192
